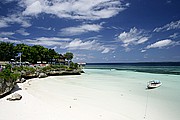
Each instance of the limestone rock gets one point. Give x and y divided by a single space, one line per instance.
14 97
23 73
20 80
5 88
42 75
23 80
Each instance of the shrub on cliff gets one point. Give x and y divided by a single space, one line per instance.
7 79
74 65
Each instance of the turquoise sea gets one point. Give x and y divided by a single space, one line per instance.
155 67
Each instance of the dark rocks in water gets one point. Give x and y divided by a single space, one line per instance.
14 97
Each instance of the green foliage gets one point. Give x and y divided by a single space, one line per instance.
74 65
8 75
47 68
30 54
15 76
18 68
24 68
63 66
58 66
29 69
7 51
68 56
69 69
54 67
33 54
5 74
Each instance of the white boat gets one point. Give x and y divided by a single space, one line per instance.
154 84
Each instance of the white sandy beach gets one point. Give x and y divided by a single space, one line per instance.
86 98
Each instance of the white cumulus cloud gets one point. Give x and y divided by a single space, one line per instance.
53 39
78 44
75 9
5 39
22 31
11 19
161 44
47 41
133 37
64 43
175 35
44 28
3 23
2 34
167 27
70 31
44 41
33 9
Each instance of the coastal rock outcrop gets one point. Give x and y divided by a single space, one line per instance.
73 72
28 74
42 75
5 87
14 97
20 80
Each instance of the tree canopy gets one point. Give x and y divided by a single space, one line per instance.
7 51
68 56
30 54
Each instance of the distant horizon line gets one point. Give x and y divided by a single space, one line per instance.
128 62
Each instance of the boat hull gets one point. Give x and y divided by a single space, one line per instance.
151 86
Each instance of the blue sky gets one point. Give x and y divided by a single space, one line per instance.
96 30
